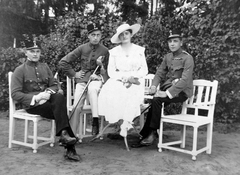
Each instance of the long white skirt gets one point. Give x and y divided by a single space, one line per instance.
117 102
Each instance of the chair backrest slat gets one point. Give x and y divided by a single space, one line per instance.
70 91
204 97
147 84
12 103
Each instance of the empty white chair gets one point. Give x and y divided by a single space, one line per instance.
204 98
22 115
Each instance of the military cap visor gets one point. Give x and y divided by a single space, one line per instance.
174 34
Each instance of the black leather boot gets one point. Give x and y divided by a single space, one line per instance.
95 126
66 140
71 154
150 138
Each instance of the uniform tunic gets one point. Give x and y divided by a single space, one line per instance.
177 66
115 100
29 79
85 55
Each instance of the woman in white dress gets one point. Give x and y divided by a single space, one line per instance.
121 96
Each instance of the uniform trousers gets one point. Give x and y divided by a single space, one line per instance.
154 113
54 108
92 94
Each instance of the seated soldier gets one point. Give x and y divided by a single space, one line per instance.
176 72
34 86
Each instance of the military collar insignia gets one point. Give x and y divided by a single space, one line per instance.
177 58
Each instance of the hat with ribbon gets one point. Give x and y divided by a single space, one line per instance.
93 27
174 34
135 28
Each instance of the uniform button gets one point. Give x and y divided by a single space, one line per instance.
93 55
35 67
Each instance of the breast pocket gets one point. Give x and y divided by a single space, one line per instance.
177 68
30 85
177 64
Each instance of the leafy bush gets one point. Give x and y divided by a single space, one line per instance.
9 59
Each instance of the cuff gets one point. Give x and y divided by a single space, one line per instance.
33 101
50 90
168 94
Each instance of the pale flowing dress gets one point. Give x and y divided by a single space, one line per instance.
115 100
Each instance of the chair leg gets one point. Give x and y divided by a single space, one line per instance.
84 124
102 125
26 131
35 136
160 137
52 137
81 128
209 138
11 131
194 149
183 136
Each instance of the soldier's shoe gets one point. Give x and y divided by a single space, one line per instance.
95 129
66 140
71 154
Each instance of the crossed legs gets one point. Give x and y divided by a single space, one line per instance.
92 92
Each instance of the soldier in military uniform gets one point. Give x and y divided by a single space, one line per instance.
89 55
176 72
34 86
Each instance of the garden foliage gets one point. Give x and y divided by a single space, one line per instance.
211 31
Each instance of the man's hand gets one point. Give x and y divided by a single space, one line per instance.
42 96
152 90
95 77
80 74
161 94
99 61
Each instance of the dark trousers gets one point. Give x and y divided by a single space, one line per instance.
55 108
154 113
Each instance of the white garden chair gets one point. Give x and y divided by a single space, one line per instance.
21 114
204 98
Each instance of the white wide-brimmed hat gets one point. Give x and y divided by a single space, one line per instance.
135 28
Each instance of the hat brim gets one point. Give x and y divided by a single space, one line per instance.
89 32
135 28
174 36
34 47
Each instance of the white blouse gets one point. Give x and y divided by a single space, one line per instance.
125 65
